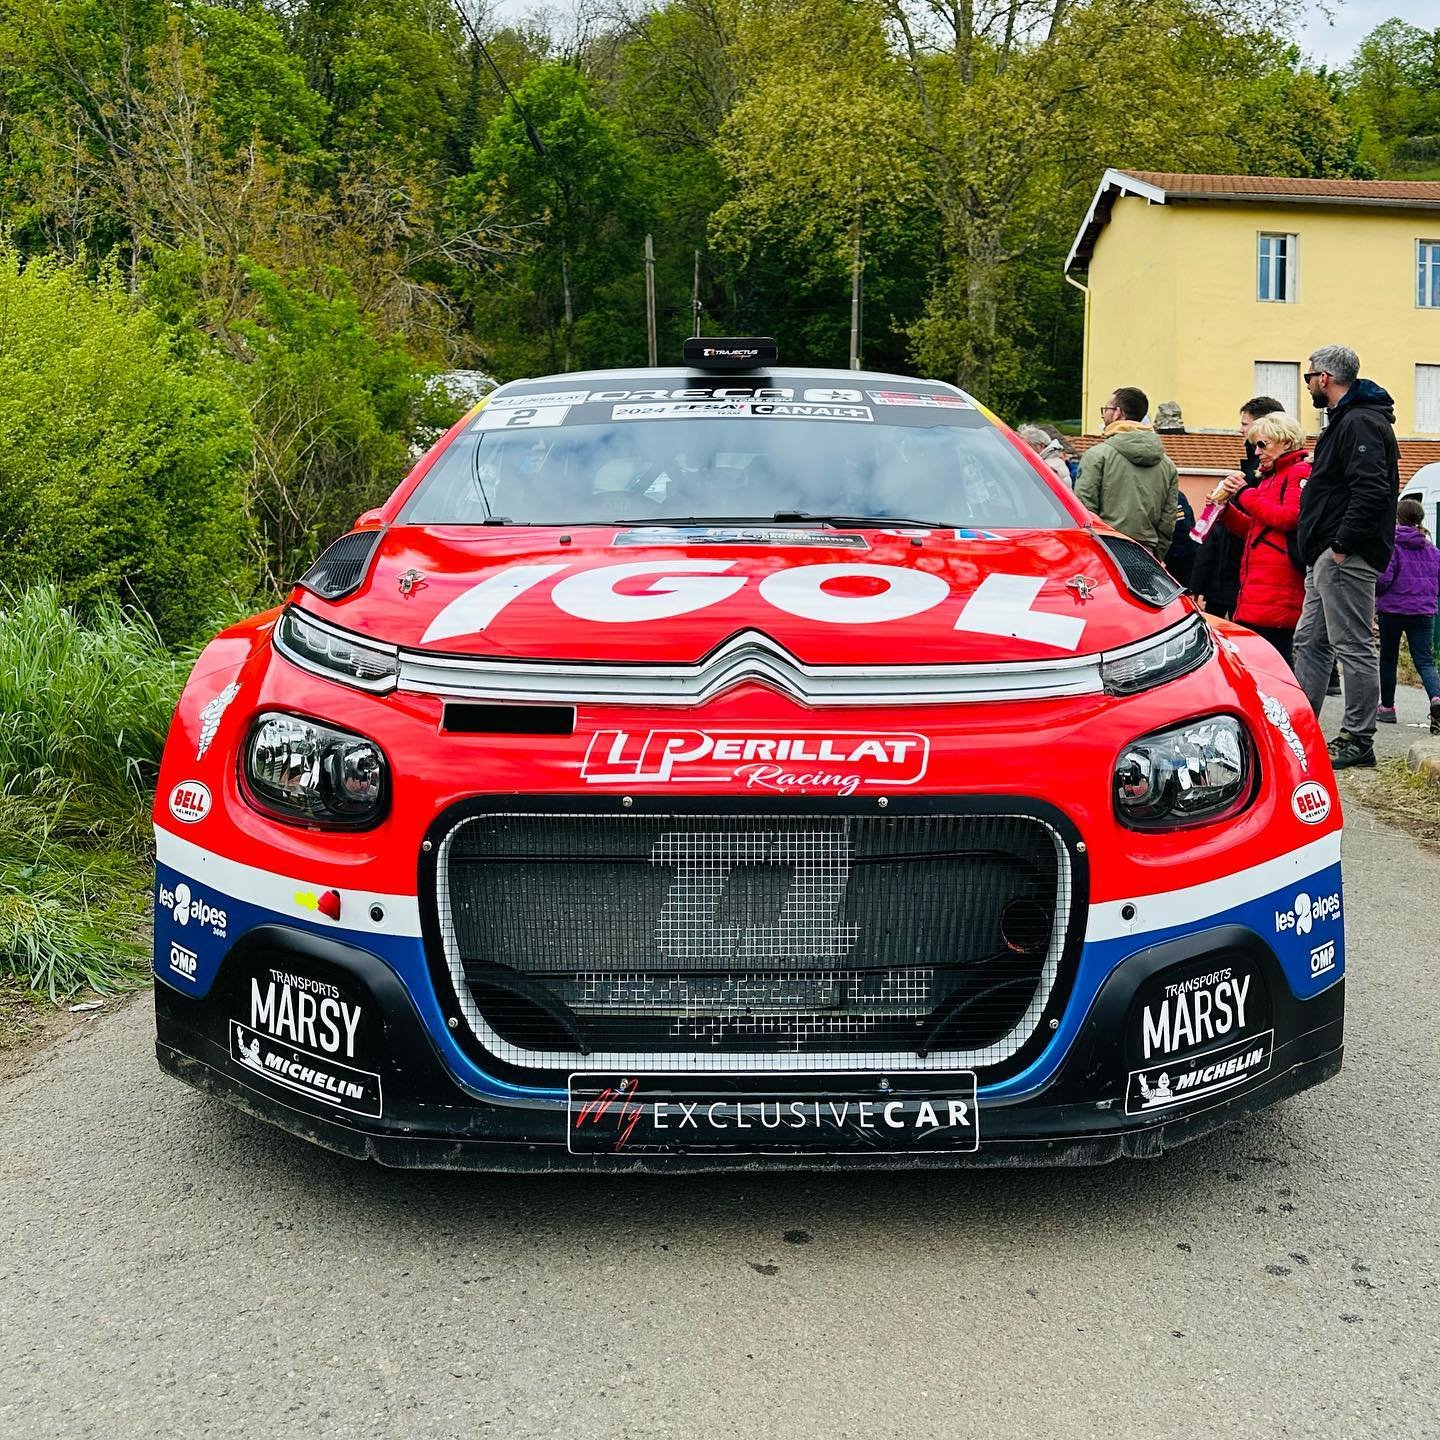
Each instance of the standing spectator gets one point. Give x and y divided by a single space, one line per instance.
1405 599
1347 531
1180 557
1216 573
1127 479
1263 517
1050 449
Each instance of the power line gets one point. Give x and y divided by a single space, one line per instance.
473 31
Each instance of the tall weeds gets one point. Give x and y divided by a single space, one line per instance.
84 707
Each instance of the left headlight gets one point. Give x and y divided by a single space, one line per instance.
302 770
337 654
1198 771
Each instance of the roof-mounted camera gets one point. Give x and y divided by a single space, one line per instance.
710 352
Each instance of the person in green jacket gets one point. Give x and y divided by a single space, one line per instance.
1127 479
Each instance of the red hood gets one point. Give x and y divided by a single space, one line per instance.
956 597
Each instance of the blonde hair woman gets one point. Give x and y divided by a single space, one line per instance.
1265 515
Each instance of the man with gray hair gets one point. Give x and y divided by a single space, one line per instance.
1347 530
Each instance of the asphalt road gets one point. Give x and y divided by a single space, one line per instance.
169 1267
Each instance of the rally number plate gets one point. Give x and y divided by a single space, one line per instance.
771 1113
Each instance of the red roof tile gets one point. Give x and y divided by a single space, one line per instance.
1192 453
1288 187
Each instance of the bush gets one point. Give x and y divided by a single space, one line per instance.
122 468
84 709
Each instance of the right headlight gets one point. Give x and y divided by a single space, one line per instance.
302 770
1198 771
1176 652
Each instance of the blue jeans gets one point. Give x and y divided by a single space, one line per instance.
1419 631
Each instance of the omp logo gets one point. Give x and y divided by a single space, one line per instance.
185 907
808 919
183 962
1306 913
1322 959
836 762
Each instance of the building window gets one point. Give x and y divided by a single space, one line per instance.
1278 262
1280 380
1427 274
1427 399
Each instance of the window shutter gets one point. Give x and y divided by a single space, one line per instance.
1280 379
1427 398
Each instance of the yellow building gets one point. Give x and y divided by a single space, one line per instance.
1208 289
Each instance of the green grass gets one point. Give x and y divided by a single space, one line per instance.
84 708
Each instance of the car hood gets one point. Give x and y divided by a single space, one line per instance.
673 595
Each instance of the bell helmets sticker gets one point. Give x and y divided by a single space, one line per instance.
190 802
1310 802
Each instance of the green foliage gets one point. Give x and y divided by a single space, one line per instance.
1393 88
332 406
582 209
260 89
120 475
84 707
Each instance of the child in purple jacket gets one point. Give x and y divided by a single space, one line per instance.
1405 602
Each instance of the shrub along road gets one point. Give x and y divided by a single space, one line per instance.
170 1267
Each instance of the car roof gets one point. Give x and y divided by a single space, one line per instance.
647 375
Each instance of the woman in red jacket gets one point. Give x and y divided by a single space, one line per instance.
1263 515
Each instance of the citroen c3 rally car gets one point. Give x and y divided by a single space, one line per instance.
738 766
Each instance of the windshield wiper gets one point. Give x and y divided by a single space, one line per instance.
860 522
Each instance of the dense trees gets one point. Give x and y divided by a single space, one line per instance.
312 202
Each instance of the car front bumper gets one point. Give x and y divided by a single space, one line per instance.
405 1107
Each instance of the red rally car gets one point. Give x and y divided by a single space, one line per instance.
734 766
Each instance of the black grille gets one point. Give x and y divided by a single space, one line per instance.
684 935
342 565
1144 575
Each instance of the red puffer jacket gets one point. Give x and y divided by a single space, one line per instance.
1272 589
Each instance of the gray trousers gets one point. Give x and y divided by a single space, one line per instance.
1336 623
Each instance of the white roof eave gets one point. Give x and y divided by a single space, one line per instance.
1123 183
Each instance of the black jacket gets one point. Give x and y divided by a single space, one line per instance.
1180 557
1349 500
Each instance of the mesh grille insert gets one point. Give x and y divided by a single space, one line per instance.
787 941
1145 576
342 565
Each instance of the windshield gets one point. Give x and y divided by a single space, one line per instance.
948 470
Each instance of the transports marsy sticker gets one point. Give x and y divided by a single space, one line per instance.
1196 1077
833 762
302 1033
190 801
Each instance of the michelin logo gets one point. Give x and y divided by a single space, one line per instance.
1307 912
